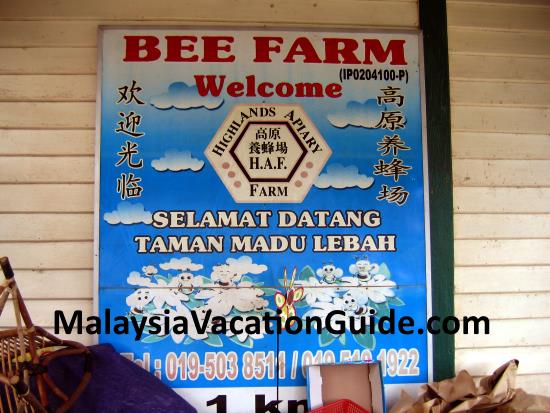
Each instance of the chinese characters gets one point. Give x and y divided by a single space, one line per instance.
268 135
390 146
128 184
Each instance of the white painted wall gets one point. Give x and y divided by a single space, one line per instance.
500 110
500 88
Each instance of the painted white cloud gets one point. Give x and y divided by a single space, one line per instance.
244 265
181 264
128 213
181 96
135 278
364 115
339 176
176 161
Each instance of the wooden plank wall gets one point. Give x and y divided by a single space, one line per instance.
500 84
500 110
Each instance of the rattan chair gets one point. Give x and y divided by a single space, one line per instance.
25 353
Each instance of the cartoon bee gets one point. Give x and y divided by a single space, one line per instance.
185 282
363 269
139 299
285 302
225 275
149 270
356 306
329 273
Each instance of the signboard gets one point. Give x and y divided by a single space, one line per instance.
257 182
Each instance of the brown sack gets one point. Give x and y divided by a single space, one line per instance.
495 393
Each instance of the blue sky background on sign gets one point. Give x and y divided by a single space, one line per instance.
199 189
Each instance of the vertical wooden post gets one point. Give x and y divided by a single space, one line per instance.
433 23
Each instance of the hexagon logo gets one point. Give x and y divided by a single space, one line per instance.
268 153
